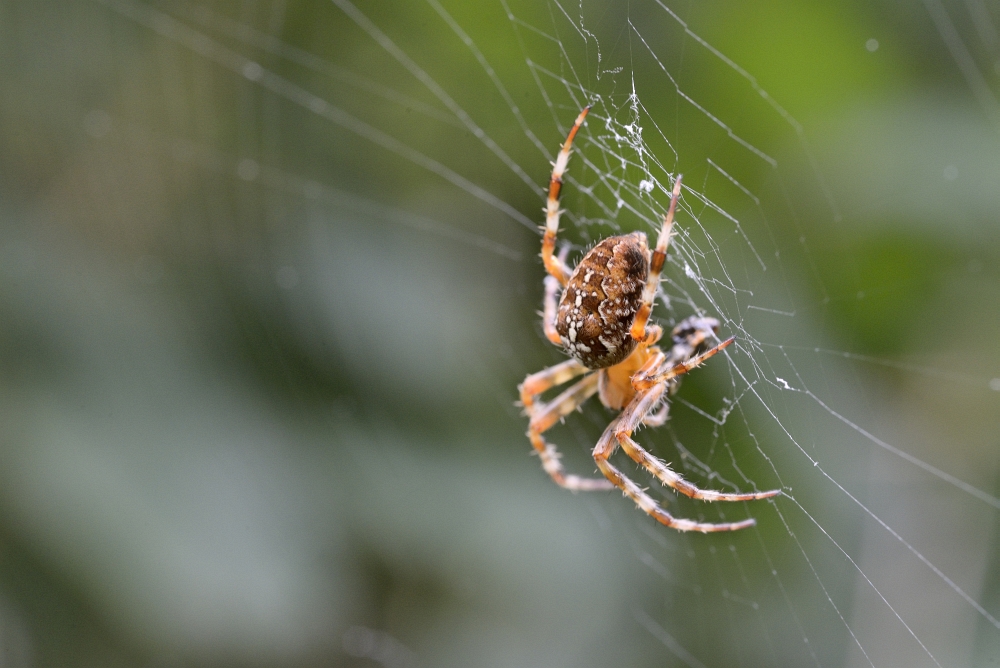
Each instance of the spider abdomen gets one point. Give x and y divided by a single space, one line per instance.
601 299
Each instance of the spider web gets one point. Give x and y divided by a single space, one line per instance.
386 169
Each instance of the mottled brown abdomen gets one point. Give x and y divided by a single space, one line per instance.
601 299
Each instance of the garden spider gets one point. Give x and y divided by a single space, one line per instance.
602 322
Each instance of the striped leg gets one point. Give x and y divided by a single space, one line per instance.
606 447
644 380
630 419
659 418
545 417
555 265
552 302
659 258
546 379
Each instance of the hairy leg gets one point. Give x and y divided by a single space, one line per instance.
545 416
555 265
546 379
658 259
645 379
630 419
551 302
606 446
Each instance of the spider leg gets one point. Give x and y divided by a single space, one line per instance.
555 265
644 379
688 337
551 303
549 312
606 446
691 336
629 421
545 417
658 259
659 418
546 379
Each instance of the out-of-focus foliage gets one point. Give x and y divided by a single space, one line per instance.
258 368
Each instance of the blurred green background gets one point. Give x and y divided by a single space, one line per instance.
269 280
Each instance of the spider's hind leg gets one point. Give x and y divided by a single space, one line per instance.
656 261
556 266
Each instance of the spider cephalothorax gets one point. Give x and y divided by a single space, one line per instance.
602 321
600 300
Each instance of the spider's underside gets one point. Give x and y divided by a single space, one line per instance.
601 320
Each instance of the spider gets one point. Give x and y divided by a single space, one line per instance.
602 322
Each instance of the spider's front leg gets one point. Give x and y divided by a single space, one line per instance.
651 384
630 419
669 368
544 416
606 447
659 418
